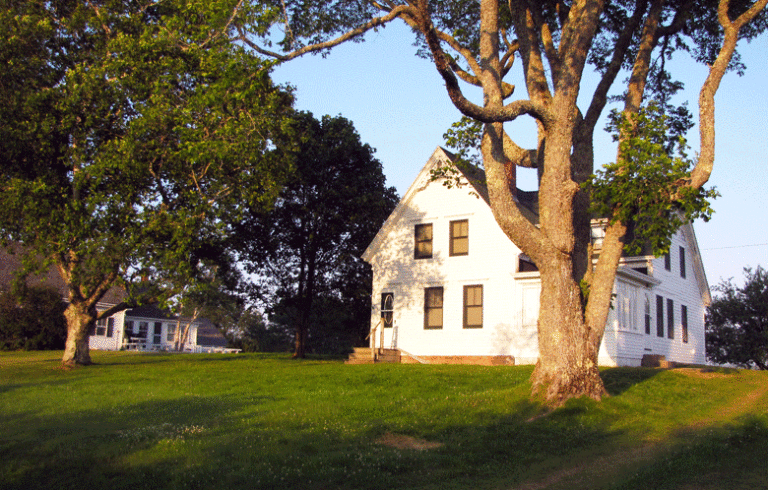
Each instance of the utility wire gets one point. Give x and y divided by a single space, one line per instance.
735 246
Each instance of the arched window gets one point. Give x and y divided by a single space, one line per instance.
387 309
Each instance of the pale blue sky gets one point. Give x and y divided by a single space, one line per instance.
399 106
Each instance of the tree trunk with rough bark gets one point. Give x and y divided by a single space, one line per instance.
575 295
80 319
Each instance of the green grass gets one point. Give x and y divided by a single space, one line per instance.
164 421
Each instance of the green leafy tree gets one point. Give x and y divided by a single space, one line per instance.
737 322
549 44
130 131
309 245
642 190
32 318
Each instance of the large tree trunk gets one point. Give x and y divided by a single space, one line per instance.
567 365
80 319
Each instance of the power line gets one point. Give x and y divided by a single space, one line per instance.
736 246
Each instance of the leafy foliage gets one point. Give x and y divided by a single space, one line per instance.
645 188
737 322
31 318
250 332
131 133
309 245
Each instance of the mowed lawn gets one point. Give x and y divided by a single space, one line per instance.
165 421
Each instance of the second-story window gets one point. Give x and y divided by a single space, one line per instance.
423 245
682 262
459 237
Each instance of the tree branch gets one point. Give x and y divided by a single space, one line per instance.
600 97
399 11
703 169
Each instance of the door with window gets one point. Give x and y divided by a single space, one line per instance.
157 338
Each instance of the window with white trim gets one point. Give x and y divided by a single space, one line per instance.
387 309
433 308
423 241
473 306
459 238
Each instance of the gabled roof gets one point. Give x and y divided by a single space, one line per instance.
698 264
528 202
475 178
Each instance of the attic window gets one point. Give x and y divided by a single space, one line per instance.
682 262
525 264
423 242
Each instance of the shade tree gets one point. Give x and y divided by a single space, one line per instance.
551 44
132 132
737 322
308 246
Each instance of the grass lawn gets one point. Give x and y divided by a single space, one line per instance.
165 421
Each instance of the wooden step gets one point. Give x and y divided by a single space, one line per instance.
364 355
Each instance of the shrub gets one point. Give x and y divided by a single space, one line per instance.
32 318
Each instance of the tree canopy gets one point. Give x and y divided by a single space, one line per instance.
309 245
551 44
130 129
737 322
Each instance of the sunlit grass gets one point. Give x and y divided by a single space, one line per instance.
266 421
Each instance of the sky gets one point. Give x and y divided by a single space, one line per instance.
399 106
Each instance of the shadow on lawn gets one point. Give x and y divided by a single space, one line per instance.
619 379
252 441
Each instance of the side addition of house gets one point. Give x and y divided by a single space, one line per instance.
449 285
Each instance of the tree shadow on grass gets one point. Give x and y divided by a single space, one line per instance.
619 379
250 439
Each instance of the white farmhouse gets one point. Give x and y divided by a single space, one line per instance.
449 286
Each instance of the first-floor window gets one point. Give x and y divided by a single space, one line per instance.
143 329
659 316
170 334
473 306
387 309
433 308
684 322
625 305
105 327
647 315
670 319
